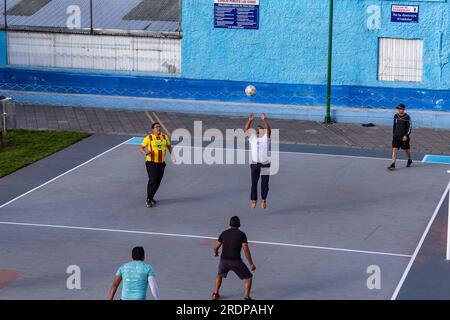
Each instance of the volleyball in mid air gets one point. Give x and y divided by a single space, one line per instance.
250 91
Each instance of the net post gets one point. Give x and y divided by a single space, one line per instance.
448 222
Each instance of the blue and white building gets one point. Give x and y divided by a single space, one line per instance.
199 55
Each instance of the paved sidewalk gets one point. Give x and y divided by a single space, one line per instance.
126 122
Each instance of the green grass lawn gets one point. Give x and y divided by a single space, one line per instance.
23 147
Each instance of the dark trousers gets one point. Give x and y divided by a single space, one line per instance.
256 173
155 173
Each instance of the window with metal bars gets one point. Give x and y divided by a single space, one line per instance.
400 60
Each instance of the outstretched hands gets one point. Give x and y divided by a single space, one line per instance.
251 117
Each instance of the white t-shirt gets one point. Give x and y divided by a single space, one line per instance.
259 148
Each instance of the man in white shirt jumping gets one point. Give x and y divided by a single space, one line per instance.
260 166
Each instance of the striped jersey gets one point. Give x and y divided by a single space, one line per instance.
156 145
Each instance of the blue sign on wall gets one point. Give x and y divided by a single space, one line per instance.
236 14
406 14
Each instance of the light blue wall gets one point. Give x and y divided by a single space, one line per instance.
356 48
291 44
286 59
281 51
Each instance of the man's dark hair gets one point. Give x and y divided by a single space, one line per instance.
401 106
138 253
235 222
155 124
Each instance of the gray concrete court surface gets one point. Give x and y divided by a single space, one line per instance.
329 218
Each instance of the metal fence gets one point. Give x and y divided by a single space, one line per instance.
160 18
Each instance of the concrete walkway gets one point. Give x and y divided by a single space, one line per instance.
128 122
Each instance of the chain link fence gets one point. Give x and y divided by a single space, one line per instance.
117 17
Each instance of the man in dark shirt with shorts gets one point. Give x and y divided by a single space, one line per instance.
232 241
401 132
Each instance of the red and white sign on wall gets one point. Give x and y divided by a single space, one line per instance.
249 2
405 9
406 14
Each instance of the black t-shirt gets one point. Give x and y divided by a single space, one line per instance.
402 125
232 240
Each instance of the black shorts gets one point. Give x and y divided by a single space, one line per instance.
237 266
398 143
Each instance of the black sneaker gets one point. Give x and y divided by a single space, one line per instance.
391 167
409 163
149 204
154 202
249 298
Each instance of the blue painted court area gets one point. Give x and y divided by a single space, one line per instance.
135 140
329 218
429 158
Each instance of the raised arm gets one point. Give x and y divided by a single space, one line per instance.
251 117
115 285
266 122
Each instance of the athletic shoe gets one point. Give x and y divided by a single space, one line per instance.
409 163
248 298
391 167
154 202
215 296
149 204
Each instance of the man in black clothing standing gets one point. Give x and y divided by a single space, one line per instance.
401 131
233 240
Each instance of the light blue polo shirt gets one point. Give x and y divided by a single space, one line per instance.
135 276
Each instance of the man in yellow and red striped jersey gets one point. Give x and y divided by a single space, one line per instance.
154 148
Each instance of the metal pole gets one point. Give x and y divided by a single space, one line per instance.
330 60
180 16
92 19
448 222
4 11
4 114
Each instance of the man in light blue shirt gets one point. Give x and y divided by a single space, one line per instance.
136 276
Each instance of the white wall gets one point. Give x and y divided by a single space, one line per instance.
120 53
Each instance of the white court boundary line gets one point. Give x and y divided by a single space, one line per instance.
419 245
201 237
62 175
